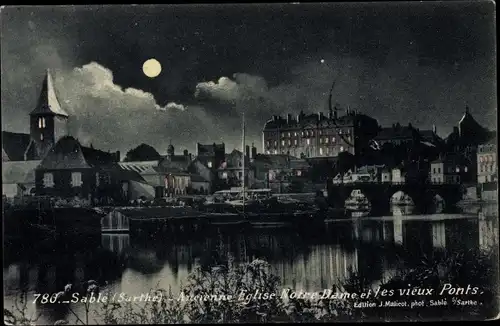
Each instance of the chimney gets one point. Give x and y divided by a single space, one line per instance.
186 153
254 151
434 130
455 130
288 119
298 117
335 113
190 157
118 156
320 115
247 151
330 113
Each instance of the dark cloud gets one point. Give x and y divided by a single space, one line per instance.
414 62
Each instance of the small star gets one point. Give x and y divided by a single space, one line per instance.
183 48
322 60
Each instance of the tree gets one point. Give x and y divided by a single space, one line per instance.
143 152
346 161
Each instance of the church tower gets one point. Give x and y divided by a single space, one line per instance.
48 121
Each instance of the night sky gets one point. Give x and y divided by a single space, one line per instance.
409 62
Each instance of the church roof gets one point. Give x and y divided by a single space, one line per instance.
14 146
68 153
47 102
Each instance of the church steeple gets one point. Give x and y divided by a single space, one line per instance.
47 101
48 121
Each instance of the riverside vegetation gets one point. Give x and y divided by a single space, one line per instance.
473 268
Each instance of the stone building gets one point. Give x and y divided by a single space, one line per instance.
317 135
487 162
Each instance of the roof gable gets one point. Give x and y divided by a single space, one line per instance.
14 145
65 154
47 102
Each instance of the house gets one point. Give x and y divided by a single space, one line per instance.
365 174
386 175
18 178
231 170
72 170
48 123
447 169
487 161
172 175
398 175
211 155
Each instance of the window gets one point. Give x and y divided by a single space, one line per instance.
321 140
439 170
224 175
289 142
299 173
340 132
275 151
268 152
320 132
320 151
333 139
481 168
275 143
76 179
341 148
327 151
326 140
282 143
295 133
434 170
240 175
41 123
209 164
465 169
41 136
457 169
288 134
302 134
268 143
295 141
308 141
312 133
48 180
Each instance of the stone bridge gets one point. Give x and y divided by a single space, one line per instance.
379 194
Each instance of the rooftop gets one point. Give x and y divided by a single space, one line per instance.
48 102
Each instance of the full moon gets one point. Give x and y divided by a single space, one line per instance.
151 68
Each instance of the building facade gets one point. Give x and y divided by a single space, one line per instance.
487 162
448 169
231 170
317 135
72 170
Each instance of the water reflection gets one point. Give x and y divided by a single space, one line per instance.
307 259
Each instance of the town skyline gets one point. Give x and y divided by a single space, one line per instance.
208 79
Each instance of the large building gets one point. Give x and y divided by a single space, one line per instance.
48 123
487 162
317 135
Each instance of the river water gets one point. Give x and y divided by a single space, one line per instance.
308 259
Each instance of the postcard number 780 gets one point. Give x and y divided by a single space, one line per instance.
45 298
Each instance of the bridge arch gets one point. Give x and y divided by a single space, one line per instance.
399 197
